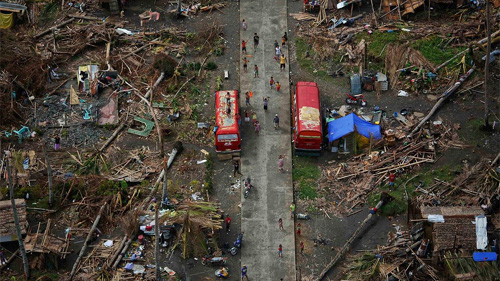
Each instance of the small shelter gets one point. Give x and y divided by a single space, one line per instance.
351 123
7 226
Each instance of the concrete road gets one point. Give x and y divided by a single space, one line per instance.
273 192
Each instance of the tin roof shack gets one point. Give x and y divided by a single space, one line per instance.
7 225
457 231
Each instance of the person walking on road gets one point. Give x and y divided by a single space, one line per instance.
281 162
282 62
276 122
284 39
301 247
298 229
247 99
271 82
280 251
257 127
243 46
266 101
278 53
254 116
292 210
280 223
236 164
244 25
255 41
256 71
228 223
244 273
245 64
278 86
247 116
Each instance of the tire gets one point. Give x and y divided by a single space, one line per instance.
348 101
203 262
233 251
363 103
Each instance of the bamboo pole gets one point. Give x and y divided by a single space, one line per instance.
26 266
487 65
84 247
49 173
54 27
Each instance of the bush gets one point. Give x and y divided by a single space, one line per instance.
165 64
211 65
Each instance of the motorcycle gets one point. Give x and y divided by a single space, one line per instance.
223 272
213 260
356 99
236 245
248 186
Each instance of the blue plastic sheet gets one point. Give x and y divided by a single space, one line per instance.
350 123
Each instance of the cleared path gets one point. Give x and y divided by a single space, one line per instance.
273 191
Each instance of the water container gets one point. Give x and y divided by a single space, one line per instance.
355 84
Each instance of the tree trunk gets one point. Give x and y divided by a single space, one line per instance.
49 174
487 66
18 226
84 247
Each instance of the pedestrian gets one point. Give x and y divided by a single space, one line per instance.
243 46
228 223
286 37
236 164
276 122
278 86
265 100
228 98
276 44
2 258
245 64
257 127
247 116
282 62
298 229
301 247
256 71
280 251
247 99
292 210
283 41
271 82
254 116
57 142
280 223
244 272
255 41
281 162
228 110
392 178
278 53
238 117
244 25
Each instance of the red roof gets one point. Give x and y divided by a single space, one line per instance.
226 123
307 99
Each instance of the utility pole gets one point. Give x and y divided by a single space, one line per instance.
164 192
487 66
157 245
179 4
16 222
49 173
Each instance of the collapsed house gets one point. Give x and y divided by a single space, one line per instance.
7 226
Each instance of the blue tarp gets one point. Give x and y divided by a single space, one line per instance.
350 123
484 256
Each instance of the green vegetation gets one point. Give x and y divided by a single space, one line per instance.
434 49
211 65
308 63
377 42
399 205
306 173
362 267
473 132
219 83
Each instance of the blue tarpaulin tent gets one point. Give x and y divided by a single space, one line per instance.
350 123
